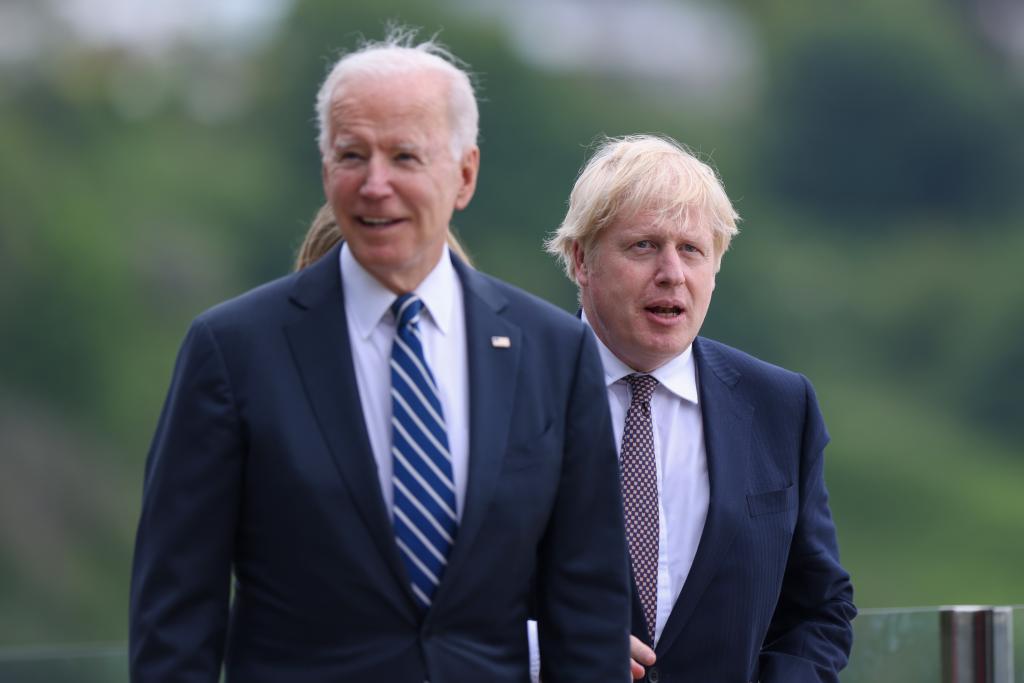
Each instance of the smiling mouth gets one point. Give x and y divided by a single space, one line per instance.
377 222
665 311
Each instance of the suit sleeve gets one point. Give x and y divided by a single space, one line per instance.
810 635
181 570
582 580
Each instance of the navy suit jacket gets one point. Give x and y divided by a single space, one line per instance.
766 598
261 465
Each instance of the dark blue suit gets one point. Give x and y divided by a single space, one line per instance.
766 598
261 464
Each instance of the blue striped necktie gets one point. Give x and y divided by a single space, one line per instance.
424 517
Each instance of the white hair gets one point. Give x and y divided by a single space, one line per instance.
398 53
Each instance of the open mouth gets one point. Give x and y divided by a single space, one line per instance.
665 311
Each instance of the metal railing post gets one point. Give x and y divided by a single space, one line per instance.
977 644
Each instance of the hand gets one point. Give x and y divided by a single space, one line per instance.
640 656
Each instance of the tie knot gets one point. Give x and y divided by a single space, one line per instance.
642 387
406 309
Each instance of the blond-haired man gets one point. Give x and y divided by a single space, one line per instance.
735 566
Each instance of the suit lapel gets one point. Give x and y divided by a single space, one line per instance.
727 425
639 624
320 346
492 388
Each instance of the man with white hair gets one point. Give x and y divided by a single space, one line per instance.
735 565
390 451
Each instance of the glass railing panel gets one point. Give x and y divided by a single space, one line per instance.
895 646
1018 644
890 646
60 664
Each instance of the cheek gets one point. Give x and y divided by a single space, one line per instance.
702 286
709 289
616 273
423 198
338 184
619 283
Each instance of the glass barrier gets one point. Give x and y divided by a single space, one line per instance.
1018 644
895 646
906 646
890 646
59 664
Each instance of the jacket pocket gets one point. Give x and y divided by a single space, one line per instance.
771 501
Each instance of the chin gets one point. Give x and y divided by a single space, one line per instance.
384 255
669 344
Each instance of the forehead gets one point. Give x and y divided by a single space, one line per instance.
409 105
677 222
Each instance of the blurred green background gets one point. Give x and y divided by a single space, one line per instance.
156 158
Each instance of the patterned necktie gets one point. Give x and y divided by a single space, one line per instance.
640 495
424 517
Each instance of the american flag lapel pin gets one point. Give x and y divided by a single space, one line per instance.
500 342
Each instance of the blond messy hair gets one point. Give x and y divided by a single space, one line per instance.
642 173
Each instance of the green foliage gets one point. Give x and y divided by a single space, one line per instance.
876 165
897 119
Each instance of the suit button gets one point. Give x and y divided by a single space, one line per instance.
653 675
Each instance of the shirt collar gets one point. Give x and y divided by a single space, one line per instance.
370 301
679 375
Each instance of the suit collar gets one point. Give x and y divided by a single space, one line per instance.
319 282
710 357
727 419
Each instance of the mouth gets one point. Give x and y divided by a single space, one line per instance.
665 312
377 222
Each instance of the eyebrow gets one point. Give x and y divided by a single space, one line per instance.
644 233
344 141
409 147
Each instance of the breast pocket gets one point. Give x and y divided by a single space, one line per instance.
769 502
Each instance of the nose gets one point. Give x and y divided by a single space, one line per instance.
377 183
671 269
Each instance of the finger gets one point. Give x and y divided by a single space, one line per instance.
636 670
640 652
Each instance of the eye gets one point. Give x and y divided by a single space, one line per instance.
347 155
692 249
644 244
406 157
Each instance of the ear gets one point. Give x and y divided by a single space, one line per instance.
579 264
469 167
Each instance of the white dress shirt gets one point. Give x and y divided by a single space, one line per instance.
681 461
371 333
